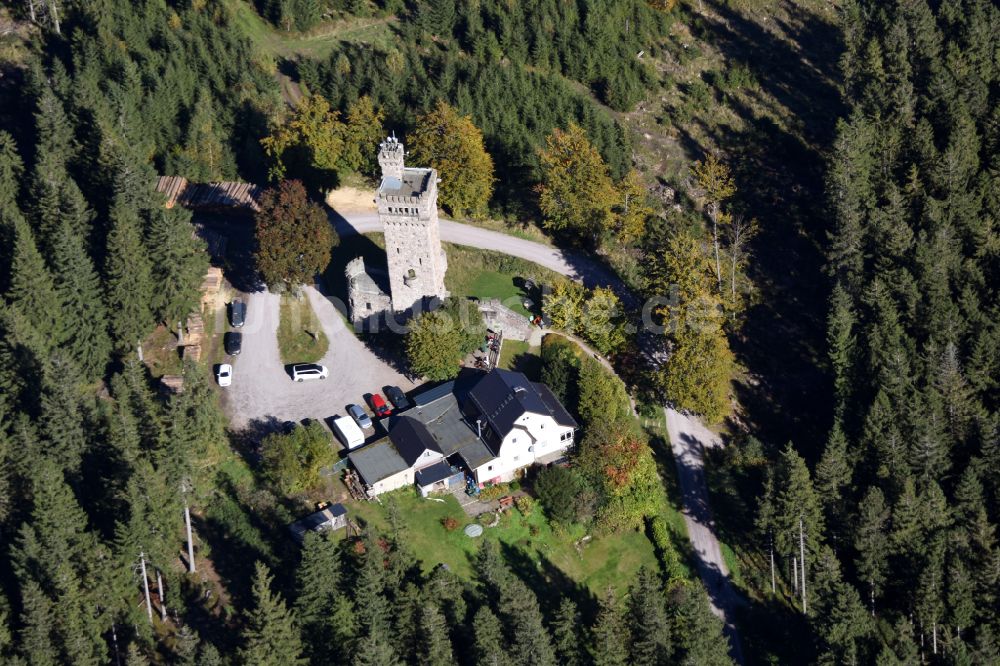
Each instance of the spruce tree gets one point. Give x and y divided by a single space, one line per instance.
32 289
37 620
489 641
128 279
79 290
531 643
566 633
435 644
270 637
64 419
318 578
374 650
698 631
648 621
610 634
179 261
871 540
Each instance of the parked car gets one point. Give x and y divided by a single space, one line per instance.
397 398
224 375
348 432
379 407
360 416
304 371
233 342
237 313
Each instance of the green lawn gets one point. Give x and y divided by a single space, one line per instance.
604 561
318 43
300 336
520 356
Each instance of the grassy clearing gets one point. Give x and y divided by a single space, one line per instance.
300 336
521 356
530 544
161 353
485 274
317 43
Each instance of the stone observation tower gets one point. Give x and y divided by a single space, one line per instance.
407 208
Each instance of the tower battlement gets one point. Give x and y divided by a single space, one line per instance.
407 207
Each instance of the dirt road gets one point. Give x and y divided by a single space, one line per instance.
688 439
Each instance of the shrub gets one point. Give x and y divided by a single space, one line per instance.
494 492
559 490
450 524
665 551
525 505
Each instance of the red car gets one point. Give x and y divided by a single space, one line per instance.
379 407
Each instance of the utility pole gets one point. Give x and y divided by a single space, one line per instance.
163 600
138 346
187 525
771 549
795 575
802 555
145 586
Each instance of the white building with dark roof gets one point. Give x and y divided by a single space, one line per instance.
488 430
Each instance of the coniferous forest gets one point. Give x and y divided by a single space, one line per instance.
874 542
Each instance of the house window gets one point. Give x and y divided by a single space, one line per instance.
369 305
489 468
515 458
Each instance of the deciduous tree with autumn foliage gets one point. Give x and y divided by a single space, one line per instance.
449 142
576 194
294 236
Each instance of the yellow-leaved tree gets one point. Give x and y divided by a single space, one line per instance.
698 372
311 138
576 194
314 141
449 142
716 184
633 208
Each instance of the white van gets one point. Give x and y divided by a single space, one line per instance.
348 432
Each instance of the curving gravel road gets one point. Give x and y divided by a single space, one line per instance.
688 439
566 262
258 370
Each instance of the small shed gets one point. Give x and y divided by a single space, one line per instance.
438 477
330 517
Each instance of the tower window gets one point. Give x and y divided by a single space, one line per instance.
421 260
397 250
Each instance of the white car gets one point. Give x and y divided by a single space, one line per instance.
304 371
224 375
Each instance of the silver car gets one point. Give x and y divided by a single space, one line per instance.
359 415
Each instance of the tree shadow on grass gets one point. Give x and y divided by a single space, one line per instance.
549 583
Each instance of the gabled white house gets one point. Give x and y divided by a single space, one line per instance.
520 421
491 427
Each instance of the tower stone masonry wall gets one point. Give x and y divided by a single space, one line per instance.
407 208
416 260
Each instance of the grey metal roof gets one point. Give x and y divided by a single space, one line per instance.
448 426
376 461
439 471
413 183
411 438
476 454
326 518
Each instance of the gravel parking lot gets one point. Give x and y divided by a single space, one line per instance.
262 388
